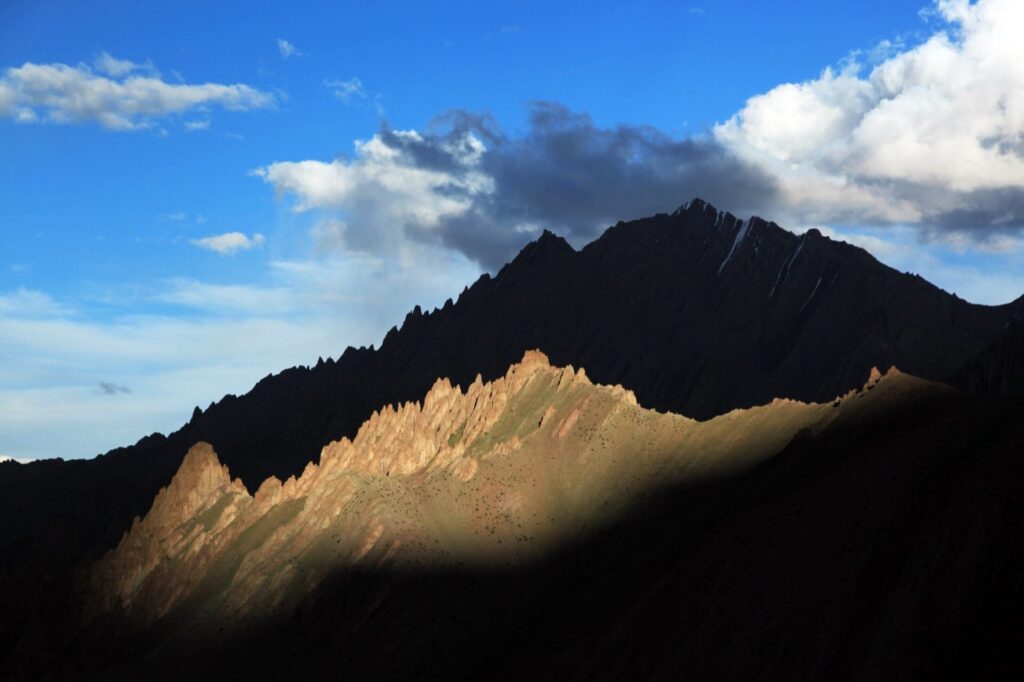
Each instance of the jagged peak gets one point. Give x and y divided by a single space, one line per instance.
547 247
695 205
202 465
199 477
549 242
876 375
535 357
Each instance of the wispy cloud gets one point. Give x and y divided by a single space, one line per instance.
288 50
347 90
109 388
197 124
118 68
230 243
116 94
189 342
29 303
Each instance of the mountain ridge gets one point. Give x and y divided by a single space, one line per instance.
538 443
676 308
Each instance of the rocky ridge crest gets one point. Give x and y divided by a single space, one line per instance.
499 473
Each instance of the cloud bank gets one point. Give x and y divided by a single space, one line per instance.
929 136
467 185
117 94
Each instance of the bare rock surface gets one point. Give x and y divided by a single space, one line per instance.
498 474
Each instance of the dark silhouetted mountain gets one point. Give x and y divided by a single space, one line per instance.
697 312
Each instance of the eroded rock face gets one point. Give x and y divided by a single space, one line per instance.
498 474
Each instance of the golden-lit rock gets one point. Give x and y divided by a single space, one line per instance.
500 473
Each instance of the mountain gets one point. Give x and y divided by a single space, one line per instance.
5 458
544 527
696 312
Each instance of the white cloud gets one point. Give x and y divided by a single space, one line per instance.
384 191
230 243
29 303
288 50
909 139
197 124
116 67
346 90
123 99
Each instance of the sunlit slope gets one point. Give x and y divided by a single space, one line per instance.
494 476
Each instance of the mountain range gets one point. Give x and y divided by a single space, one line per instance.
695 313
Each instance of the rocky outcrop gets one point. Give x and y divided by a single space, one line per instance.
498 474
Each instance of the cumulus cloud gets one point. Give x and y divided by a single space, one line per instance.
466 184
288 50
931 135
230 243
117 94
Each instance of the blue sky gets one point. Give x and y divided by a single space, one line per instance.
195 194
